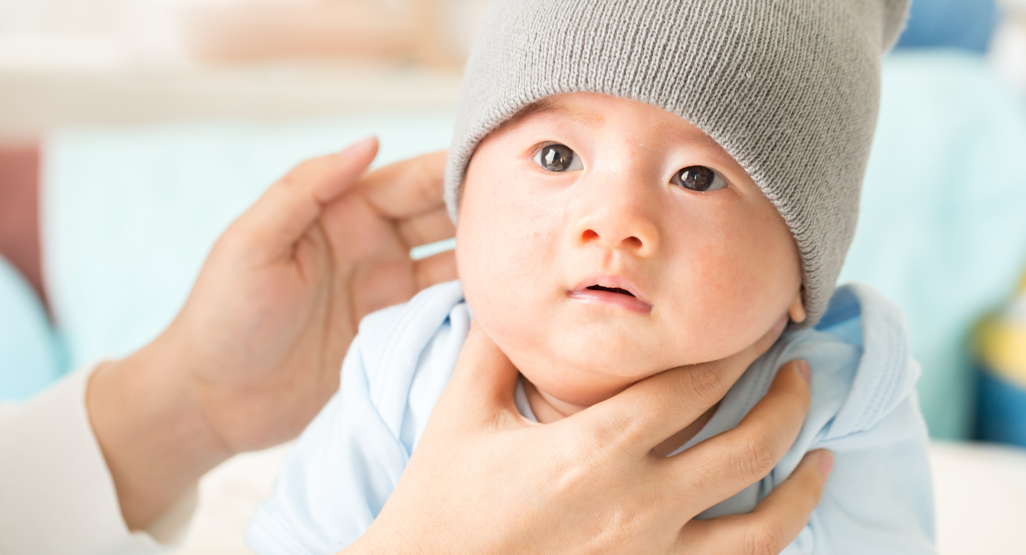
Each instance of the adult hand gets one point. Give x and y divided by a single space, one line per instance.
483 479
255 352
278 302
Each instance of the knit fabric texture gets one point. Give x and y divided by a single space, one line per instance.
789 88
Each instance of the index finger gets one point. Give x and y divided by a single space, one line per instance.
732 460
408 188
652 410
774 523
287 209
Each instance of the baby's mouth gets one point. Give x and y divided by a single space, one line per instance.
610 291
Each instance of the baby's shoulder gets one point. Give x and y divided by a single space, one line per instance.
861 374
861 365
349 459
407 353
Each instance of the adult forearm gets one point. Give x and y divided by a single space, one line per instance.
151 430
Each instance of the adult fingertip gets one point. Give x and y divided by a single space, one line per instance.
820 459
803 369
826 462
359 147
349 164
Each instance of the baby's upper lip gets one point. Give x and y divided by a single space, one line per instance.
610 282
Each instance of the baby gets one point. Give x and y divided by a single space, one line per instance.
642 185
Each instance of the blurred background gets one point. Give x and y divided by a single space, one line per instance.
133 131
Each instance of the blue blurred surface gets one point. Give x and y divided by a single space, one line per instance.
129 214
942 230
1002 410
965 24
30 354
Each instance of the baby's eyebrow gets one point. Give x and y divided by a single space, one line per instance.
549 105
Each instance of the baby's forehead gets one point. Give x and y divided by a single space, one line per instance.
568 105
600 110
607 119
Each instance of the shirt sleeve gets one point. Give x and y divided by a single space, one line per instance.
879 497
56 493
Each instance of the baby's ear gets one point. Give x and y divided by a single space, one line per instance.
797 310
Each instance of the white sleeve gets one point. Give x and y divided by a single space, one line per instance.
56 493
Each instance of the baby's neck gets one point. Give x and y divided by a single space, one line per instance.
548 409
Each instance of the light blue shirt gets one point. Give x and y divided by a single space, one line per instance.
878 499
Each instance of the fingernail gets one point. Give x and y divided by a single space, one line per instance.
826 462
822 458
359 146
803 370
780 325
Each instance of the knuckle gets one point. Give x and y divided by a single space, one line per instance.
613 430
623 521
752 456
699 383
602 444
579 465
627 525
609 538
762 539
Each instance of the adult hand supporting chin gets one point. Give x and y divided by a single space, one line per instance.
483 479
255 352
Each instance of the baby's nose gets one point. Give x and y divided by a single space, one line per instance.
618 223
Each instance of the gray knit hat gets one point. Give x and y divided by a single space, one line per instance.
789 88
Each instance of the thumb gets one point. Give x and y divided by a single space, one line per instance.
285 212
484 374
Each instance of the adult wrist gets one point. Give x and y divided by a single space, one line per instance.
377 545
384 538
151 430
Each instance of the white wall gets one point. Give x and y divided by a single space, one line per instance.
130 33
85 33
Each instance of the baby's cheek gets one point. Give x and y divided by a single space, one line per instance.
722 297
502 262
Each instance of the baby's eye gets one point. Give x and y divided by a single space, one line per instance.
699 178
558 158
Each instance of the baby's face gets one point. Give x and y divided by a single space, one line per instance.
602 240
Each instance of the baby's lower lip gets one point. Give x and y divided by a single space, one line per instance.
608 297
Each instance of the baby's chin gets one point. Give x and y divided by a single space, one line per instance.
586 364
589 377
